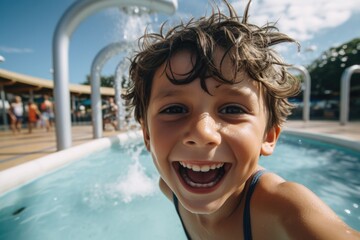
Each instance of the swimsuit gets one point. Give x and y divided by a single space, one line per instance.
17 110
176 203
46 111
32 114
246 216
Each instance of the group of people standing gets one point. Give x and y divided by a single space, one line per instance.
44 115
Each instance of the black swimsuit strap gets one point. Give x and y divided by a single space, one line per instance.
246 216
176 203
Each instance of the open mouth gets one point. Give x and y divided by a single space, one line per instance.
201 177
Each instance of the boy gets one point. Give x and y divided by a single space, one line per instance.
211 97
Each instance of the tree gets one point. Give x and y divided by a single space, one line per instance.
326 71
108 81
105 81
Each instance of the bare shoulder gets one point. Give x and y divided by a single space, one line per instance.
165 189
295 212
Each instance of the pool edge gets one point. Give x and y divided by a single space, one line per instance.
351 144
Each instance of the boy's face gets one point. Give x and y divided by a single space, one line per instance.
205 146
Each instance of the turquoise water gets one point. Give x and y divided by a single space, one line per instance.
113 194
332 172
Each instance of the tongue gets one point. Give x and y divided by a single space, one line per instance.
202 177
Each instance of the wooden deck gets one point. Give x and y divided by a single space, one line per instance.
19 148
22 147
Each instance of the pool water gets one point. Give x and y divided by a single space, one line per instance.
113 194
330 171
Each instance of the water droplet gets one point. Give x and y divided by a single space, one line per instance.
356 205
300 142
347 211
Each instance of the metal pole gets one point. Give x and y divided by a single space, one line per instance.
73 107
2 93
31 95
345 92
67 24
4 114
307 90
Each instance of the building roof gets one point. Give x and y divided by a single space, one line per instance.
17 83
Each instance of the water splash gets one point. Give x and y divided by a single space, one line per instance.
131 23
134 183
121 81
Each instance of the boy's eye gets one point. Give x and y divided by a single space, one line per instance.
232 109
174 109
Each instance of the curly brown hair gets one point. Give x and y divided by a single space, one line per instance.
248 47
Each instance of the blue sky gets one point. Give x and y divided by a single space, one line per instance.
27 27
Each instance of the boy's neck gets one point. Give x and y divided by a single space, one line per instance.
226 212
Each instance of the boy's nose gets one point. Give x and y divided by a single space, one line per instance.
203 132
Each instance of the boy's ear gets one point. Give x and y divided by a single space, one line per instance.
270 140
146 135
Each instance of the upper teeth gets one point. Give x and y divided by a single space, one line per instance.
202 168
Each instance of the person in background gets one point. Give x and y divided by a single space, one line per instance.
33 115
47 112
109 111
16 112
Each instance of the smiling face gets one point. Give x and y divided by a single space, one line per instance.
205 146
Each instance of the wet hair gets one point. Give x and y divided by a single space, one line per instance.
248 47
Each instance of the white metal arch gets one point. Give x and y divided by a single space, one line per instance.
345 92
99 61
75 14
307 90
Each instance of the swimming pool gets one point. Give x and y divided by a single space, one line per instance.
113 194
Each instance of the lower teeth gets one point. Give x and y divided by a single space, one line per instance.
201 185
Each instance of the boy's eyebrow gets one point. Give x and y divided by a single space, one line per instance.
167 93
242 91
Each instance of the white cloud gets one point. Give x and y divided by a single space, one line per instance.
300 19
15 50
